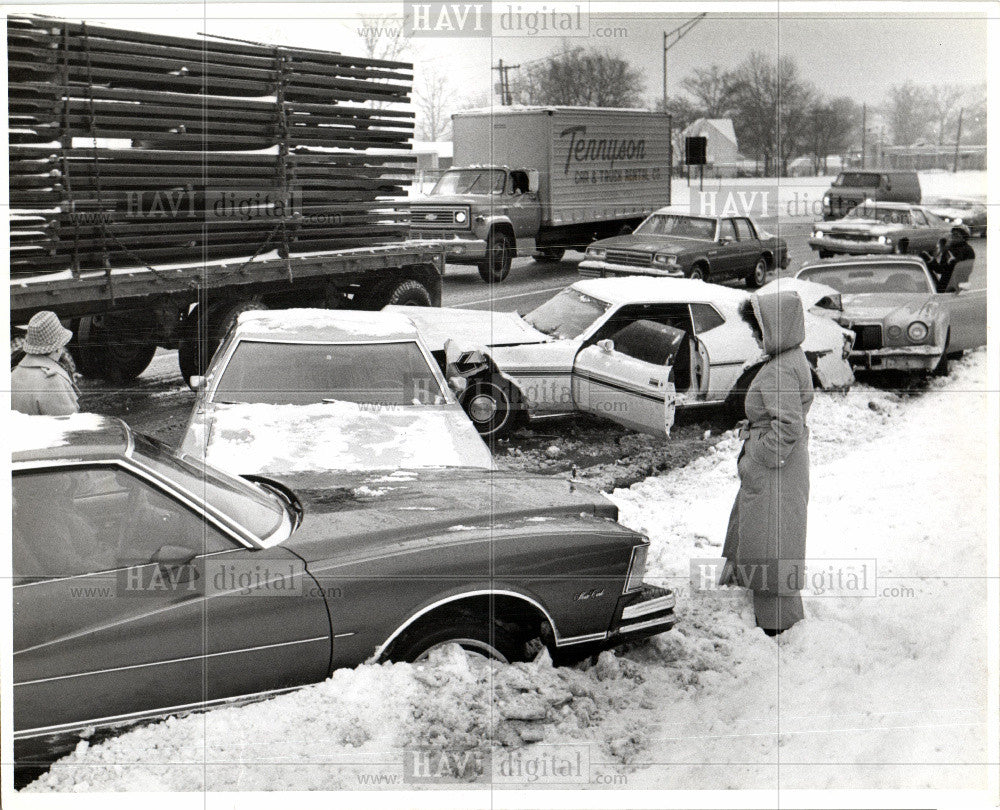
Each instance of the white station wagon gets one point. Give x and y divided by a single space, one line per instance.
629 349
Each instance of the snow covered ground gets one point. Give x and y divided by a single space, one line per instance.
882 690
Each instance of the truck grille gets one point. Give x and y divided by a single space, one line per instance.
632 258
427 217
868 336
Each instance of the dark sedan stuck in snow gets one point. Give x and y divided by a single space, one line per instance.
672 242
148 584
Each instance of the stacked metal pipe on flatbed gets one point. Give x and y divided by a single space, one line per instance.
132 148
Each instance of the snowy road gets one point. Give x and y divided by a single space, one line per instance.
886 689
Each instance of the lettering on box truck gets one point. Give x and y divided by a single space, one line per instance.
583 150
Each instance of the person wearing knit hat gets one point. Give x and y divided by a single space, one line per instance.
39 384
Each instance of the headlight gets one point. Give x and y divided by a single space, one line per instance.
895 332
826 199
636 568
596 253
959 221
664 258
460 216
917 331
881 240
818 234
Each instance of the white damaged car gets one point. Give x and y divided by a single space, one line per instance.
629 349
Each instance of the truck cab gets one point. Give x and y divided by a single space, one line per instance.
497 205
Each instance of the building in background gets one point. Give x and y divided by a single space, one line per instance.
722 151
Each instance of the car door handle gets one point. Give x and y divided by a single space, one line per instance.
655 383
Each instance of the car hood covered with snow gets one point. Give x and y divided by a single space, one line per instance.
470 328
280 440
391 509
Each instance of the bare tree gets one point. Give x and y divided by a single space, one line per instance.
771 109
435 99
712 89
944 101
383 36
833 124
907 112
580 78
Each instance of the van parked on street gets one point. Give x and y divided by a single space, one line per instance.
879 185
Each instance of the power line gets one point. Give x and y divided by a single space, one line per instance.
506 99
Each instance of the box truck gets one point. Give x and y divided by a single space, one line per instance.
542 180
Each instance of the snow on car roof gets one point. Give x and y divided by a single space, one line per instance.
31 435
342 436
682 210
336 325
643 289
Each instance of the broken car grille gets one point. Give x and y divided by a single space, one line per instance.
868 336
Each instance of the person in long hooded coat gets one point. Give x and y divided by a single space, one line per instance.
766 538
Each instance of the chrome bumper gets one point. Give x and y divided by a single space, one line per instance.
590 268
902 358
650 612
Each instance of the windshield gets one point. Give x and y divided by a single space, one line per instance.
255 509
567 315
678 225
470 181
385 374
857 180
890 216
871 278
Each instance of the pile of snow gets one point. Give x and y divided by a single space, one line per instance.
883 691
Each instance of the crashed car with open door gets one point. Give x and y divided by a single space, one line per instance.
518 366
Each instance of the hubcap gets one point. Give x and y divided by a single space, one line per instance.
482 408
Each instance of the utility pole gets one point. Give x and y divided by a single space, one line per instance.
958 139
864 132
677 34
502 69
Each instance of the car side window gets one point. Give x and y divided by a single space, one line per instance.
919 218
705 318
676 315
82 520
743 230
727 230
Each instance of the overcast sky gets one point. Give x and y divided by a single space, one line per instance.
857 55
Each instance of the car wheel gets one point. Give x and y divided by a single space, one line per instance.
493 405
499 254
699 271
756 277
474 634
903 247
826 254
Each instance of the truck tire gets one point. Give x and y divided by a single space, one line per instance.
549 254
409 293
756 277
116 348
499 254
493 405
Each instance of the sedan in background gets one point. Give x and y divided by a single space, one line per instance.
899 318
963 211
672 242
147 584
626 349
880 228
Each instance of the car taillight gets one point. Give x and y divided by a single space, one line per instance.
636 568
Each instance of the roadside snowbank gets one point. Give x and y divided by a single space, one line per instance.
882 691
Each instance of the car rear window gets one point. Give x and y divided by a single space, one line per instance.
272 373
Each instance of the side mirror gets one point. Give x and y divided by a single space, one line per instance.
725 240
458 384
533 180
607 346
175 563
197 382
173 555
